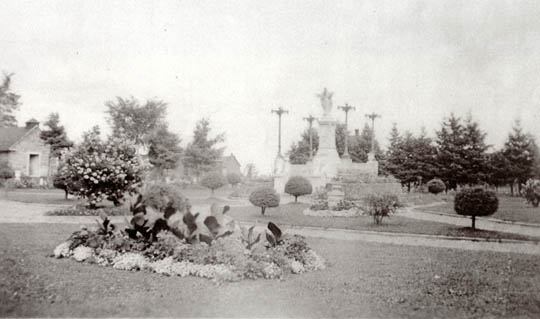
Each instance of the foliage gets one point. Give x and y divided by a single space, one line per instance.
476 202
519 151
164 150
101 170
379 206
298 186
6 172
319 199
201 154
81 210
161 196
531 191
213 181
264 197
56 136
234 178
344 205
410 159
133 121
436 186
9 103
274 236
62 179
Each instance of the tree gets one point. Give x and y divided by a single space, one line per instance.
9 103
476 164
202 154
250 171
519 150
234 178
298 186
498 169
299 151
475 202
450 159
264 197
62 180
133 121
164 150
6 172
56 137
213 181
103 170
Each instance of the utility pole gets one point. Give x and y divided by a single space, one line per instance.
372 117
280 111
310 120
346 109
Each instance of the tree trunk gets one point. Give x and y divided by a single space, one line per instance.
66 191
262 210
408 187
511 189
473 222
296 199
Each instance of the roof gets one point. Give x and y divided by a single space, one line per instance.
230 157
11 135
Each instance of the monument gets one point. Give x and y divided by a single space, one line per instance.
326 166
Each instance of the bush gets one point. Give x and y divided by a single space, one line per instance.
234 178
531 191
298 186
264 197
476 202
436 186
103 170
6 172
160 196
379 206
213 181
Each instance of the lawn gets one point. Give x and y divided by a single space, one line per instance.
291 214
363 280
510 208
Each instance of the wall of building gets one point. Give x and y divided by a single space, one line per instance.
30 144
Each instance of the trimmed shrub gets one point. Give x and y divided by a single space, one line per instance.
264 197
476 202
213 181
436 186
234 178
379 206
161 196
298 186
531 191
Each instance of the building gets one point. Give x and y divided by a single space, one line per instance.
25 151
229 164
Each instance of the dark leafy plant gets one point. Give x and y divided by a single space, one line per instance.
105 227
249 238
264 197
298 186
531 191
380 206
476 202
274 237
436 186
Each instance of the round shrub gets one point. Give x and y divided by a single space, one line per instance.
213 181
298 186
476 202
436 186
264 197
160 196
234 178
531 191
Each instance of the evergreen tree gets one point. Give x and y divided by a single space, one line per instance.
56 136
391 164
425 156
299 151
9 103
474 153
202 154
450 147
498 169
164 150
519 150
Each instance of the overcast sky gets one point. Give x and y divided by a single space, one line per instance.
413 62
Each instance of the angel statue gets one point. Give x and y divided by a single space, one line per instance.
326 101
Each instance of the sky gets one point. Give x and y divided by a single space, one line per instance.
412 62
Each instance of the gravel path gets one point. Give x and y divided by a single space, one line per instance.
484 223
16 212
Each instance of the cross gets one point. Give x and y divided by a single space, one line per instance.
346 108
372 117
310 120
280 111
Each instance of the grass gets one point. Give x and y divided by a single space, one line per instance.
510 208
364 280
291 214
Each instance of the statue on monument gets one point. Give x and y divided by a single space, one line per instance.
326 101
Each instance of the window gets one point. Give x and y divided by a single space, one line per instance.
33 165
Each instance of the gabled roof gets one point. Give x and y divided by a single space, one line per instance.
230 157
10 136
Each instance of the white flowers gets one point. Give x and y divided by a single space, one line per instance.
82 253
62 250
130 261
297 267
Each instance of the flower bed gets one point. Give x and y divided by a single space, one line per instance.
353 212
240 254
81 210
